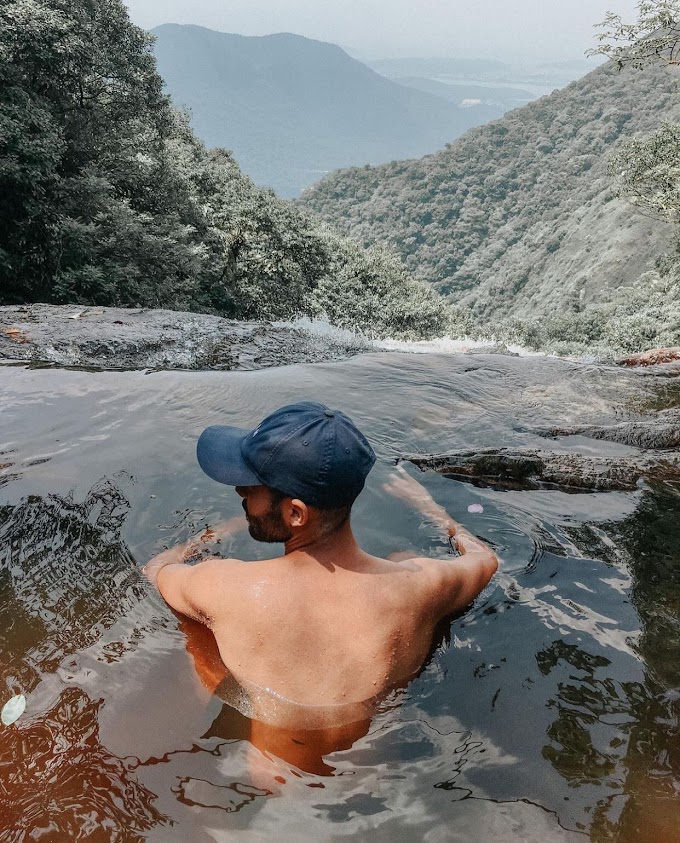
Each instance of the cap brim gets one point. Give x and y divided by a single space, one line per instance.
219 454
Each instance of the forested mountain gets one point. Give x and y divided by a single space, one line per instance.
519 217
107 197
291 109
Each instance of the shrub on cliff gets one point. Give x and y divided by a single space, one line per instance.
644 315
365 291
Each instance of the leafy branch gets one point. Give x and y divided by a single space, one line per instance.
654 38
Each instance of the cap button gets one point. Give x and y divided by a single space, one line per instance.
329 413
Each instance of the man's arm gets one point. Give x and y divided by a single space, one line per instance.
464 577
195 590
188 588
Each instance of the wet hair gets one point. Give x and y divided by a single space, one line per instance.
330 519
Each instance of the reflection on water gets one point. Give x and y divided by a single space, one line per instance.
548 713
581 704
617 733
650 539
65 576
59 782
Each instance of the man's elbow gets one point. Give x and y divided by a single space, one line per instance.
486 567
489 568
170 583
492 564
176 585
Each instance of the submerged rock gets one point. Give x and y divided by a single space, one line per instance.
661 430
122 338
527 469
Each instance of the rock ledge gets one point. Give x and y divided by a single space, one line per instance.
139 338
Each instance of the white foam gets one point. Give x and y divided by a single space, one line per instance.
438 345
322 328
451 345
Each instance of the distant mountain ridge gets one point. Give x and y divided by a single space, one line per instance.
429 67
519 217
292 109
553 74
503 98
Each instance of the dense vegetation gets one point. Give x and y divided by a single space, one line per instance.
633 318
519 222
107 197
647 313
291 109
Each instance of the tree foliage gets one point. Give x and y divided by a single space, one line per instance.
649 170
647 313
365 291
107 196
653 39
642 316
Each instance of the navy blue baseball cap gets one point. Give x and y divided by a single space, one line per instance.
304 450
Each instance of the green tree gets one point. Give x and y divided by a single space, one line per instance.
653 38
84 124
649 168
649 171
365 291
107 196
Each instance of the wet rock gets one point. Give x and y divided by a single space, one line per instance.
121 338
656 432
653 357
526 469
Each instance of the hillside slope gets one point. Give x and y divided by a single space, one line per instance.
292 109
519 217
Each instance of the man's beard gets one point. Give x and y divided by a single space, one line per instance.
270 528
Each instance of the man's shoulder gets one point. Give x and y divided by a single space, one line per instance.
236 588
422 566
428 576
421 577
231 568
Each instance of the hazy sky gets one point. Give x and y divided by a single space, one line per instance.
510 29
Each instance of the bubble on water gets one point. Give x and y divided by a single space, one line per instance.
475 507
13 709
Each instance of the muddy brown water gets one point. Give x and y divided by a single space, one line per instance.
547 712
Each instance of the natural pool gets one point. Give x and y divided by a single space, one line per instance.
549 712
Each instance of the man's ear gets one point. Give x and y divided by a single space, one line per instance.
299 513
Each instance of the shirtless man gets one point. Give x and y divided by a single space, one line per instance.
325 624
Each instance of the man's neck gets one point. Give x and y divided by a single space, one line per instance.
339 547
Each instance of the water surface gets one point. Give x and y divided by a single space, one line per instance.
548 712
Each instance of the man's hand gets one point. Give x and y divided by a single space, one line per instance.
225 529
183 552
